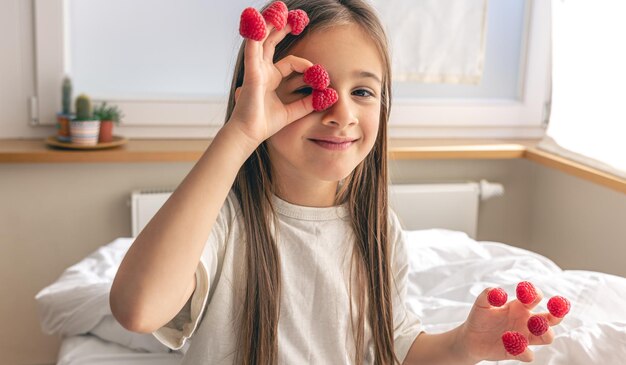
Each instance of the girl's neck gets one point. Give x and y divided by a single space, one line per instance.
317 194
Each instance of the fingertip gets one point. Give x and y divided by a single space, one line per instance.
527 356
269 27
308 104
482 300
538 298
552 319
539 293
483 297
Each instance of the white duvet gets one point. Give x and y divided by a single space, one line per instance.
448 271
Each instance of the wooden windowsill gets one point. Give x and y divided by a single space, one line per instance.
154 150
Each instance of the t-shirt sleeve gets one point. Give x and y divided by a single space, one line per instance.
179 329
407 325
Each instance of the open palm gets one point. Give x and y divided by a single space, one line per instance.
482 332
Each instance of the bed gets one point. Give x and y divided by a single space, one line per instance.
448 269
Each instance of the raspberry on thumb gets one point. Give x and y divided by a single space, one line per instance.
324 99
497 297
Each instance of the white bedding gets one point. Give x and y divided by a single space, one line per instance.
91 350
448 270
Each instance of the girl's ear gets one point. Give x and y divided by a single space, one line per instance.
237 92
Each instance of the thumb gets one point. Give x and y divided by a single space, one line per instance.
482 300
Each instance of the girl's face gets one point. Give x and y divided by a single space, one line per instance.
303 151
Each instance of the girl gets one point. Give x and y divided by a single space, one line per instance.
278 246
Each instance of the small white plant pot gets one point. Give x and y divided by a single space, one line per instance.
85 132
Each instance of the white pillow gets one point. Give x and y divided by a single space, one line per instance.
111 330
78 301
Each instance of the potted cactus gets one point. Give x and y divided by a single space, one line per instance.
108 115
65 116
84 128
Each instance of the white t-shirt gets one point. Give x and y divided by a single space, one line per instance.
314 326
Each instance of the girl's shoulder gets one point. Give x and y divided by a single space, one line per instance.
396 236
395 224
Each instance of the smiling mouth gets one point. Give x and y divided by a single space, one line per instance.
334 145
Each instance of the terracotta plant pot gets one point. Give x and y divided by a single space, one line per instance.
85 132
63 127
106 131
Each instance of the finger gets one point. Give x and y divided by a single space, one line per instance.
482 300
269 28
237 92
299 108
291 64
545 339
272 40
552 320
527 356
252 54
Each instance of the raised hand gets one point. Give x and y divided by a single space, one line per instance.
259 113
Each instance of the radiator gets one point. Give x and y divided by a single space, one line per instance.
419 206
448 206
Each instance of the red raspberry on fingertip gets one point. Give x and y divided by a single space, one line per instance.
559 306
298 20
514 342
537 325
323 99
317 77
526 292
497 297
252 24
276 14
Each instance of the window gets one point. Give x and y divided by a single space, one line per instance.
588 120
168 64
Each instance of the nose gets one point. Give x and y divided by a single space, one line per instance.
341 114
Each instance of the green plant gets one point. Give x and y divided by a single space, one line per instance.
108 112
67 95
83 108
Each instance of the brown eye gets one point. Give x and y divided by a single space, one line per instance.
363 93
304 91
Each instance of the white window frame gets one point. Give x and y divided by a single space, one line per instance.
201 118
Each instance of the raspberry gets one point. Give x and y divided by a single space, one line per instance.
252 24
317 77
514 342
497 297
323 99
537 325
526 292
298 19
276 14
558 306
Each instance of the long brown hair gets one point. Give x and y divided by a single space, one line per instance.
364 192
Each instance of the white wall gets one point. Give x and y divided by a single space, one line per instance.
17 80
577 223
